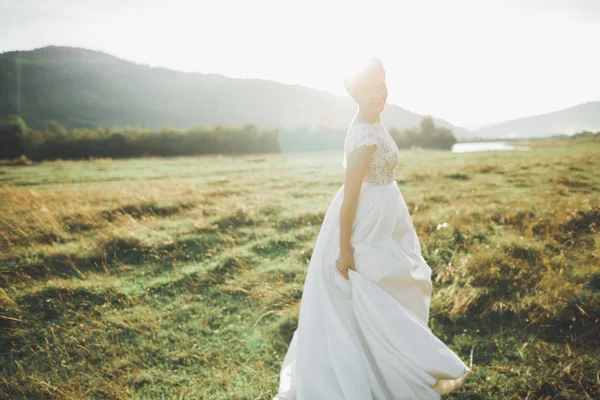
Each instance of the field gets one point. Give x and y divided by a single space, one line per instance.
180 278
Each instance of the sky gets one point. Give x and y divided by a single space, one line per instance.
471 62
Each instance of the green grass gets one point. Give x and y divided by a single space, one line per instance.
181 278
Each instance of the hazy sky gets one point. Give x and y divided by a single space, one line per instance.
468 61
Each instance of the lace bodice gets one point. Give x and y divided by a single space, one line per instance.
383 161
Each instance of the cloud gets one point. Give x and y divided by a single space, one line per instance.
578 10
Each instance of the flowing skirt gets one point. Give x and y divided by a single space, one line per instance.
367 337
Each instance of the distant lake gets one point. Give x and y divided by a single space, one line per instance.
485 146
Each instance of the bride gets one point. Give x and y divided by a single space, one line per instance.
363 324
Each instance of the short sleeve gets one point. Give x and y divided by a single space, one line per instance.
358 135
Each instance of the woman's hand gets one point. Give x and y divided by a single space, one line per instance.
345 262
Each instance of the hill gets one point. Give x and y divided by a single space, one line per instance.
571 120
85 88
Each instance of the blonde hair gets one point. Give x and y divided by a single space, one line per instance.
354 83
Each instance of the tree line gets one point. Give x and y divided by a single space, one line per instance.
56 142
586 135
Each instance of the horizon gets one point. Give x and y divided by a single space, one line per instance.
469 127
480 72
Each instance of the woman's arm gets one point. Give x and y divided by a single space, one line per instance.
357 162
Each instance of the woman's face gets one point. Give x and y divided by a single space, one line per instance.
374 94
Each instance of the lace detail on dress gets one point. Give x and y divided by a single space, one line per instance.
382 165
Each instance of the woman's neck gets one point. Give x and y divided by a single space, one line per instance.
364 115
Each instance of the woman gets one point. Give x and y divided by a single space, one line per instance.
362 330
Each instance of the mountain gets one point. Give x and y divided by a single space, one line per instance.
571 120
85 88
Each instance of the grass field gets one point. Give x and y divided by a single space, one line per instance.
181 278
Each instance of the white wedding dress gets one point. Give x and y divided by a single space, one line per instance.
368 337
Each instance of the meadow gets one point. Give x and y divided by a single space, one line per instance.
181 278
